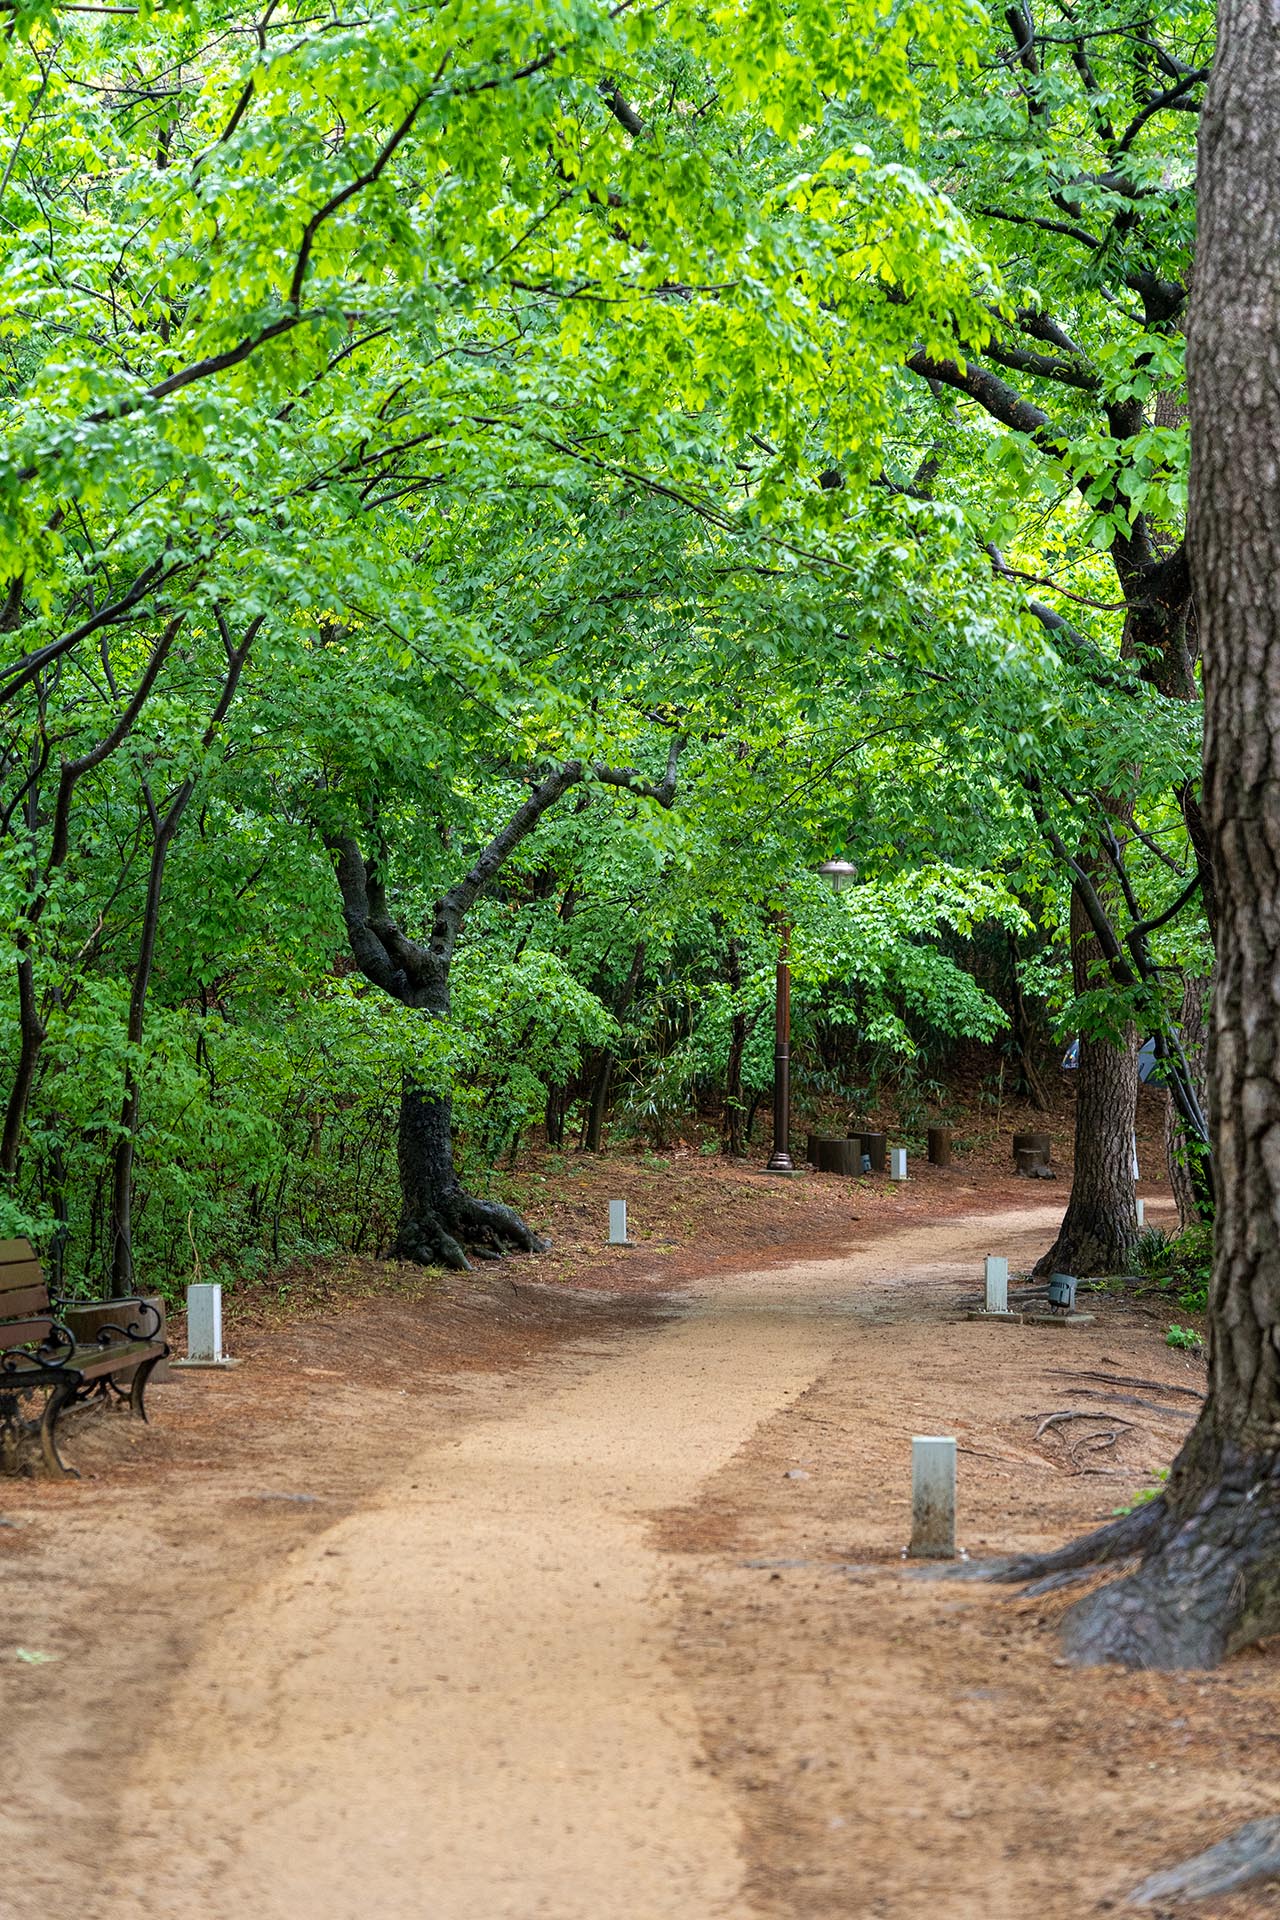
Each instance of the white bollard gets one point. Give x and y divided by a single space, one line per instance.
933 1497
204 1328
1133 1148
997 1278
1142 1212
897 1163
618 1224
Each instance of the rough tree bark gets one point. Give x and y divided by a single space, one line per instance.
440 1221
1101 1221
1208 1580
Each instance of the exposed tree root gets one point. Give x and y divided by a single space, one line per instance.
1251 1853
1208 1578
458 1224
1121 1380
1120 1539
1208 1584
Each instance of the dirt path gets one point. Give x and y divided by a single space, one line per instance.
465 1687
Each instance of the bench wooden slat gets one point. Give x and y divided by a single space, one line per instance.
94 1361
11 1250
21 1333
86 1363
22 1274
16 1306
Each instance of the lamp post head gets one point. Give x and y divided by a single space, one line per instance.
840 873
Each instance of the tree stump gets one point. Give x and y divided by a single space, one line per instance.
1037 1143
1029 1162
939 1146
876 1148
839 1156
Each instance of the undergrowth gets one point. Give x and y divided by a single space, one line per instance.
1181 1264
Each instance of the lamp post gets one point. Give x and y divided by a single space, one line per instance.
840 874
780 1158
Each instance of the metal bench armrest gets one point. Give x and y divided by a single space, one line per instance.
51 1356
133 1329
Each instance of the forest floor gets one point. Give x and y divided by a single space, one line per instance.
573 1589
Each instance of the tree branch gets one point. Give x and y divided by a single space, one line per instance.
1068 373
1081 234
625 115
995 396
73 770
339 199
1174 96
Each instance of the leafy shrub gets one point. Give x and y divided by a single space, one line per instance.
1183 1264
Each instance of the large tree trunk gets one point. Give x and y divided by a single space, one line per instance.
1100 1226
1209 1578
441 1221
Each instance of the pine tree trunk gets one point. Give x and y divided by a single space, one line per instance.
1209 1579
1100 1226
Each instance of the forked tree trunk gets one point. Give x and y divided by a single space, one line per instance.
1100 1226
440 1219
1209 1578
557 1109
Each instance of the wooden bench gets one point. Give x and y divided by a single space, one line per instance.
39 1354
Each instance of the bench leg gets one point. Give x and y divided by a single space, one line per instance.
137 1392
58 1399
10 1433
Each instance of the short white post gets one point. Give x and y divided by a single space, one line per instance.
897 1163
618 1224
933 1497
997 1277
1142 1212
204 1327
1133 1148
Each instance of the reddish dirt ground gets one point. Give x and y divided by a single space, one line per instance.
889 1746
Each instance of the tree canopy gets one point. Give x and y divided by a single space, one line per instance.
492 497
